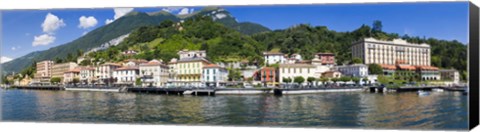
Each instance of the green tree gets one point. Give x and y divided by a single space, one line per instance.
250 80
356 80
234 74
384 79
298 79
75 81
85 62
345 78
323 79
138 81
375 69
310 80
377 26
357 60
335 80
55 80
287 80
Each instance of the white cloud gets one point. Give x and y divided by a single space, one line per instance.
52 23
108 21
5 59
119 12
184 11
87 22
15 48
44 39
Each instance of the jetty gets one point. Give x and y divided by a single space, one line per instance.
288 91
212 91
46 87
94 89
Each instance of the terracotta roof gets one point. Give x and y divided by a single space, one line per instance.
73 70
388 67
406 67
427 68
211 66
127 68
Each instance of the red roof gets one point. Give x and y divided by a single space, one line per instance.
73 70
211 66
406 67
427 68
388 67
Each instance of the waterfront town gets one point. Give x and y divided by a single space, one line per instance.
396 59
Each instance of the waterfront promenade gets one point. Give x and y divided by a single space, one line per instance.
210 91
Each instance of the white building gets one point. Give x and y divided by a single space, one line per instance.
355 70
185 54
125 75
371 51
214 75
172 76
450 75
70 75
154 73
294 70
104 73
296 56
273 58
87 75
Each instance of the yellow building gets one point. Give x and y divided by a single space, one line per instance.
58 70
44 71
189 71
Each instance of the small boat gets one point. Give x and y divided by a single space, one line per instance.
438 90
423 93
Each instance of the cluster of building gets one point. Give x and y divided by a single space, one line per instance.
192 68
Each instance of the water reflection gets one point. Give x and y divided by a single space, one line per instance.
392 110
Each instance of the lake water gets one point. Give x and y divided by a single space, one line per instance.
439 110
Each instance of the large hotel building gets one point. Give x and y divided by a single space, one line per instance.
371 50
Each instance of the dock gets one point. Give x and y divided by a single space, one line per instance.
39 87
153 90
93 89
284 91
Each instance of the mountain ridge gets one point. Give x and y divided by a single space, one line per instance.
121 26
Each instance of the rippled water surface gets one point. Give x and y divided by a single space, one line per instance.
441 110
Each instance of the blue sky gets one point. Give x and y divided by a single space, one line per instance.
447 21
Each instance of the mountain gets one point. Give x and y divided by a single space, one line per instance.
222 44
124 25
223 16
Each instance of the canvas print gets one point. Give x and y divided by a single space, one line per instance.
375 65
